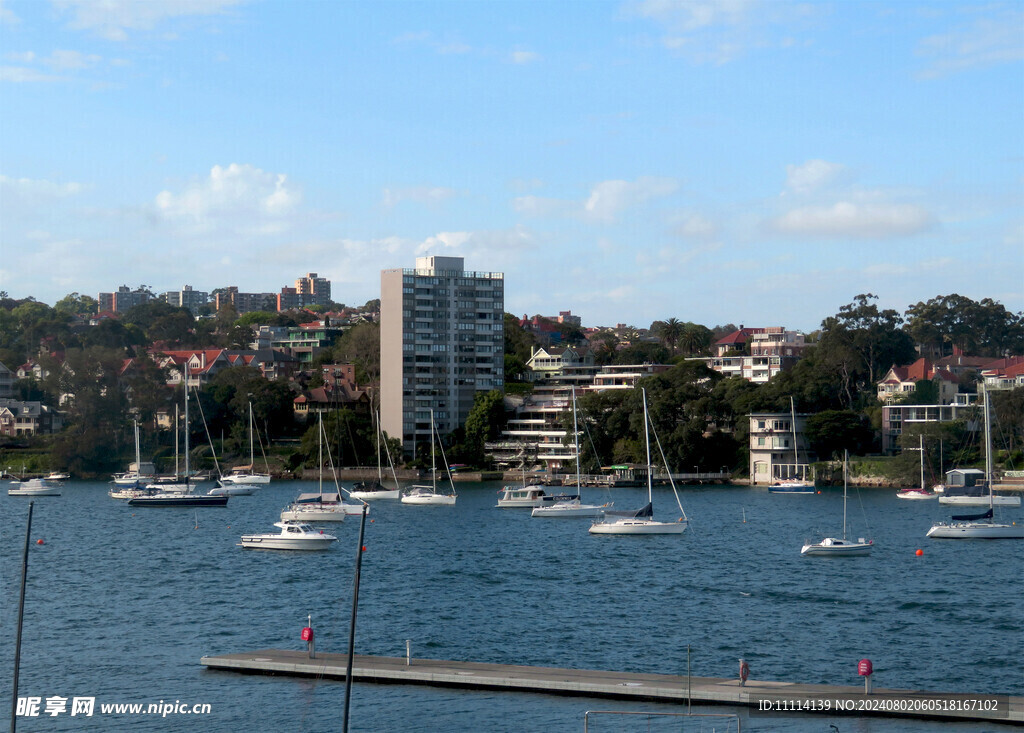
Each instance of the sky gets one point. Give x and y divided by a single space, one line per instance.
735 161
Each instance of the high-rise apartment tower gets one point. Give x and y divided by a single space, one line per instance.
441 341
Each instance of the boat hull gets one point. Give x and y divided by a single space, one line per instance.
34 487
795 489
997 500
915 494
569 510
232 490
179 500
976 530
430 500
371 495
246 478
275 542
310 514
837 548
637 526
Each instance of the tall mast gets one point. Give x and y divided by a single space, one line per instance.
988 445
252 451
647 441
576 439
920 447
433 464
846 459
185 380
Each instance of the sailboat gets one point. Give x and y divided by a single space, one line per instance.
182 495
367 490
133 478
425 495
571 507
921 493
321 507
982 525
793 485
835 546
642 520
247 474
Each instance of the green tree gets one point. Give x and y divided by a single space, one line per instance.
77 305
360 345
833 431
485 422
518 341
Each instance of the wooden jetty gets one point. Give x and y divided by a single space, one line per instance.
769 697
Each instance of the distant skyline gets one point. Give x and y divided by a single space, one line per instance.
726 161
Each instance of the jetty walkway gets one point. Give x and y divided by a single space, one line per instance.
764 696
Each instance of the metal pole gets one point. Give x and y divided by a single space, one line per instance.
352 624
689 696
21 617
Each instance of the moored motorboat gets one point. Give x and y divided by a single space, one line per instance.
293 536
34 487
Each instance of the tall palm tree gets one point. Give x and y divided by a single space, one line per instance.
669 331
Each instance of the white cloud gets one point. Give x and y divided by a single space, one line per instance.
718 31
540 206
610 198
432 195
62 60
988 41
861 220
23 75
238 196
7 15
26 192
498 247
114 19
524 57
695 226
812 175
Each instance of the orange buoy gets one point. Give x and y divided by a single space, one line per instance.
40 542
919 553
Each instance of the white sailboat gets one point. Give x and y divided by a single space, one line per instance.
182 494
134 477
982 525
794 485
320 506
429 495
923 492
836 546
571 507
247 474
370 490
642 521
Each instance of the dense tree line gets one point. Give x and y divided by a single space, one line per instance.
698 414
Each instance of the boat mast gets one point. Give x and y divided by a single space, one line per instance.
252 451
433 463
920 447
320 458
647 441
846 459
184 373
988 444
380 476
796 448
576 439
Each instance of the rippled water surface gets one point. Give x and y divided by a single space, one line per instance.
122 602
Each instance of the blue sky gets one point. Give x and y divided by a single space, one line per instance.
718 162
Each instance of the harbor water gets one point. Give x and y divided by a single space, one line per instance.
122 602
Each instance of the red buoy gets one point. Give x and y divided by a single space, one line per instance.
40 542
919 553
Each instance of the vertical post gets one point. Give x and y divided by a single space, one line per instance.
21 617
867 684
408 652
352 623
689 698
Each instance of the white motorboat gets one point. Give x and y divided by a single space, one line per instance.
34 487
642 521
979 526
525 497
839 546
429 495
293 536
571 507
57 476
